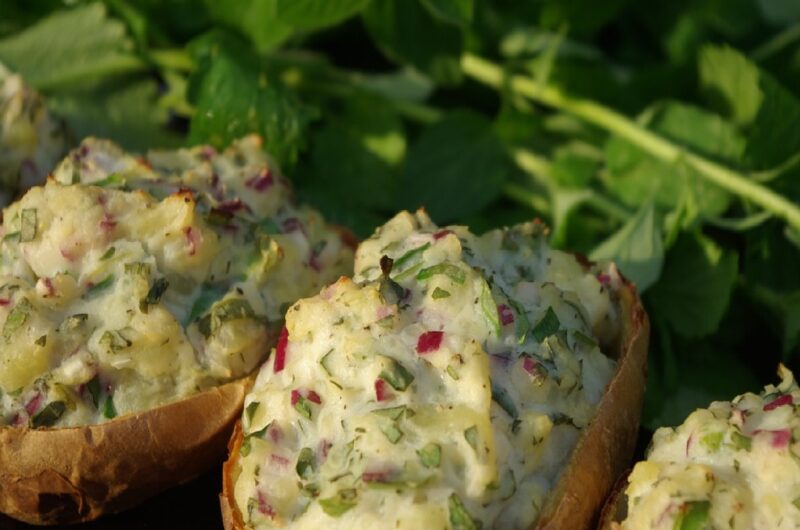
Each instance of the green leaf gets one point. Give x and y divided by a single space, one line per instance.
754 100
343 501
71 47
126 111
695 288
460 519
548 325
454 272
235 97
458 12
407 33
637 248
458 157
356 155
270 22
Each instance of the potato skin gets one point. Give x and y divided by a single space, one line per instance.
77 474
603 452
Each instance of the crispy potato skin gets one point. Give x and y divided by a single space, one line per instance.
69 475
604 450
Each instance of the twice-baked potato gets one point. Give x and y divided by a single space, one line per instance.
132 319
732 466
457 382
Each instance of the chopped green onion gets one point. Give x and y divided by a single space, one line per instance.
306 463
740 441
105 283
460 519
208 295
501 397
396 375
154 294
391 412
408 256
471 435
695 516
138 268
49 415
108 254
109 410
27 231
430 456
452 372
439 293
74 321
113 179
303 406
392 432
114 341
343 501
489 308
454 272
250 410
712 441
325 362
93 386
16 318
547 326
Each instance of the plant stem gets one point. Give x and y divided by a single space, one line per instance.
776 44
614 122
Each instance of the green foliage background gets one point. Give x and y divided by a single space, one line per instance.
375 105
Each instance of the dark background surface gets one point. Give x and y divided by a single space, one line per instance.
193 506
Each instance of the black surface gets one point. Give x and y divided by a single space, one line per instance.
193 506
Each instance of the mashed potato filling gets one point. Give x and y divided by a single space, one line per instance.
445 386
733 466
126 283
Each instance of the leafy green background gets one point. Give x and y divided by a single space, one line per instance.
369 107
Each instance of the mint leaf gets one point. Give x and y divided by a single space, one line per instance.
407 33
455 168
458 12
71 47
270 22
637 248
755 100
695 288
356 156
235 97
128 112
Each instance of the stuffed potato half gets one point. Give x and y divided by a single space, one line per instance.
137 295
461 351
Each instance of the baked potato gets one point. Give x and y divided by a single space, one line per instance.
136 298
734 465
456 382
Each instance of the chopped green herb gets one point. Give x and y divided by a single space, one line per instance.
523 325
391 291
471 435
452 372
154 294
108 254
489 308
138 268
228 310
114 341
114 179
396 375
109 410
392 432
93 386
73 321
105 283
325 363
343 501
439 293
246 446
460 519
16 318
49 415
454 272
11 236
547 326
306 463
694 517
250 410
408 256
27 230
303 406
740 441
430 456
712 441
501 397
391 412
205 299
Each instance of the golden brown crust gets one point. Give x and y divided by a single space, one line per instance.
68 475
602 454
606 445
616 508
